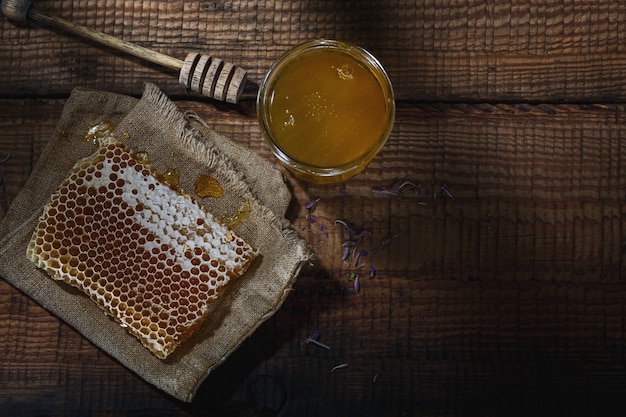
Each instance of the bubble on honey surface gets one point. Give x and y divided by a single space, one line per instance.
291 120
345 72
144 252
207 186
171 176
95 133
318 107
143 157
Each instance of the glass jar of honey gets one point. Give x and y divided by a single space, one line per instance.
326 108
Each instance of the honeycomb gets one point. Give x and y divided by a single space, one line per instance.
144 251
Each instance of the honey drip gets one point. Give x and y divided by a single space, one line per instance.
148 255
241 215
171 176
208 187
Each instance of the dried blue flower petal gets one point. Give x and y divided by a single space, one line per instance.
372 272
386 242
352 240
340 366
410 189
444 190
400 189
395 188
358 256
318 343
314 338
357 285
311 203
365 232
310 206
347 229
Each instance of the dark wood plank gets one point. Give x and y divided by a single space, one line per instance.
460 51
25 126
508 297
504 295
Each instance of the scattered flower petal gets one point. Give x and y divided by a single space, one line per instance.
386 242
314 338
346 254
347 230
340 366
403 189
358 256
400 188
309 205
372 272
357 285
444 190
318 343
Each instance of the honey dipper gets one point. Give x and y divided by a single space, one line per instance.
202 74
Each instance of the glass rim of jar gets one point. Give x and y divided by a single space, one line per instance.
264 99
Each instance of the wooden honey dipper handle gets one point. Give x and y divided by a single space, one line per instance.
202 74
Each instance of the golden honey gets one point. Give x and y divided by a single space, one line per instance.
171 176
326 108
149 256
206 186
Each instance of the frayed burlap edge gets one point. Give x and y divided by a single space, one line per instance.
254 299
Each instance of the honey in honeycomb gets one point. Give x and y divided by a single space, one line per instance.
144 251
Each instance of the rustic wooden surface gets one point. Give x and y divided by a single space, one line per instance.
502 289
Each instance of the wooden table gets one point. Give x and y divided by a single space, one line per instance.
499 289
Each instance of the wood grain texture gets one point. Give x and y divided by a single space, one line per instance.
508 297
459 50
499 289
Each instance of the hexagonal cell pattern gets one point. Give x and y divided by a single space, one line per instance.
145 252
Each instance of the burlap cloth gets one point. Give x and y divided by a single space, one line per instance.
171 138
